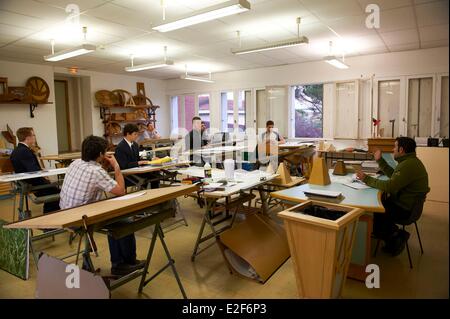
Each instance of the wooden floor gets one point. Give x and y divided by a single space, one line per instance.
208 276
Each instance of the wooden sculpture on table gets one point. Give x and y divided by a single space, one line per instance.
319 174
340 168
285 176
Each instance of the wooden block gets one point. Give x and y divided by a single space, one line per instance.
319 174
340 168
285 176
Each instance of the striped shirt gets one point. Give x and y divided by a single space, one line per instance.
84 183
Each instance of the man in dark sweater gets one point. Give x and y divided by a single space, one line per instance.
127 155
194 140
24 160
407 183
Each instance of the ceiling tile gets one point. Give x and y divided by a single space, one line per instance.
82 4
385 4
434 44
140 19
350 26
404 47
328 10
400 37
432 13
34 9
397 19
14 31
433 33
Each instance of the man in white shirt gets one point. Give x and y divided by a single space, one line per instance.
150 133
84 183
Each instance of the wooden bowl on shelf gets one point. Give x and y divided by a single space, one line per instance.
106 98
114 129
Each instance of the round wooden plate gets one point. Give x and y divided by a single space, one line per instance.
40 90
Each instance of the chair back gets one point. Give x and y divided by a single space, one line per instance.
416 212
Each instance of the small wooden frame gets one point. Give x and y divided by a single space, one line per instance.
140 89
20 93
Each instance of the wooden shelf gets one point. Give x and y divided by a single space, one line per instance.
130 107
25 103
127 121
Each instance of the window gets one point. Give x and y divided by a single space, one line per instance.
420 97
183 110
244 100
346 114
189 111
388 107
308 108
227 111
203 109
177 113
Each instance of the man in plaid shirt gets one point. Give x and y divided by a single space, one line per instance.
84 183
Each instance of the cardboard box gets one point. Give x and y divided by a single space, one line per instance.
259 242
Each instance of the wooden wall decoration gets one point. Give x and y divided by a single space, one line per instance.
20 94
39 89
140 88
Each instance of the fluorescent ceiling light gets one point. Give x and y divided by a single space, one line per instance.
70 53
215 12
336 62
149 66
272 46
196 78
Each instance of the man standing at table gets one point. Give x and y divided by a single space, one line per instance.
24 160
407 183
270 135
84 183
127 154
193 141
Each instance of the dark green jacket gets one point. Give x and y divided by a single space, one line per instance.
407 181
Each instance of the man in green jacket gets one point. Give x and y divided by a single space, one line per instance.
407 183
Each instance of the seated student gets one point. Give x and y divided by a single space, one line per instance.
270 135
24 160
84 183
150 133
127 154
407 183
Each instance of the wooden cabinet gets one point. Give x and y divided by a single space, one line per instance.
385 144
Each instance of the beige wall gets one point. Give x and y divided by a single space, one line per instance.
435 160
18 115
44 122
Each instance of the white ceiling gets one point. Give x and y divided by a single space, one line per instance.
123 27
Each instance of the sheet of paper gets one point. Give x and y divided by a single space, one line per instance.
357 185
130 196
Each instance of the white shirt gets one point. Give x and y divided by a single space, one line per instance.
128 142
